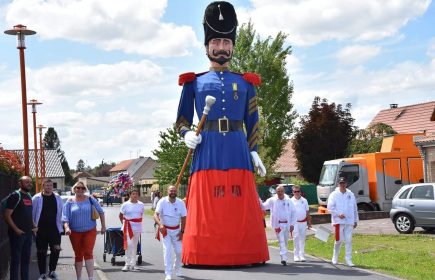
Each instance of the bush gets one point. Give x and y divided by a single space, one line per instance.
10 163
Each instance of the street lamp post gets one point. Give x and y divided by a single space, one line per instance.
21 31
35 102
42 153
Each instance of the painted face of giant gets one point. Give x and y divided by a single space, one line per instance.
220 50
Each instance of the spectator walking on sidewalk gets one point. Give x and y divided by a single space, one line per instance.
170 217
303 221
47 214
282 219
82 228
344 216
131 218
18 215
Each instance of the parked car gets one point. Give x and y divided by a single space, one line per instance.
414 206
99 193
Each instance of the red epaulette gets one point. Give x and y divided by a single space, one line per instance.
252 78
186 78
189 77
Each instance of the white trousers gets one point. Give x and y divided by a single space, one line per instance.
283 237
345 233
171 242
130 253
299 235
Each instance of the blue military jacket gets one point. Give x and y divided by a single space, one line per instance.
236 100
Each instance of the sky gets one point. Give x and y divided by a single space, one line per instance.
106 71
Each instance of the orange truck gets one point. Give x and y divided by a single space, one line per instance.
374 178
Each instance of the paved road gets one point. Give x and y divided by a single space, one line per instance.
152 266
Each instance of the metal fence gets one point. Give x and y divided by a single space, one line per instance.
7 185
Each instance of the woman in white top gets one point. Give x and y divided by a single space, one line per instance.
131 218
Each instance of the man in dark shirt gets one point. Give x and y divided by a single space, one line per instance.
47 214
18 215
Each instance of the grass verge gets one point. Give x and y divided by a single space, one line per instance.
404 256
149 212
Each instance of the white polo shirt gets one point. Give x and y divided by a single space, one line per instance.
133 211
171 213
301 207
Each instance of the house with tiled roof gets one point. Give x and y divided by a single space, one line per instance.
141 170
53 166
286 164
122 166
413 119
408 119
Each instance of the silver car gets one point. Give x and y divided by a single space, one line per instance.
414 205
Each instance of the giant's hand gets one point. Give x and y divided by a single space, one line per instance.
192 140
258 163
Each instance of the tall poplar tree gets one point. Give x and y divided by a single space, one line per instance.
268 59
51 141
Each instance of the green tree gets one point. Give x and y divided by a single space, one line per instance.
324 134
170 158
268 59
51 141
80 166
369 140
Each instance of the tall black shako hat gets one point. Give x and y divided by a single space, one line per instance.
220 21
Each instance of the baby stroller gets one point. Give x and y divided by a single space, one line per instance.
114 244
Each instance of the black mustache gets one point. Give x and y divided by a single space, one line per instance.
221 52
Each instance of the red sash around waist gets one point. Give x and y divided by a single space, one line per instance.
304 220
164 233
128 230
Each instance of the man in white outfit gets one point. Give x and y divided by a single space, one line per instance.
282 219
131 218
344 216
303 221
170 216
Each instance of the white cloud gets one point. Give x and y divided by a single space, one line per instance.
95 106
431 49
309 22
357 54
293 64
85 104
102 80
133 26
368 90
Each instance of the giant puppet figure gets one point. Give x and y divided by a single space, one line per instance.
224 223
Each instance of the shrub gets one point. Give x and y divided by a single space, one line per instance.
10 163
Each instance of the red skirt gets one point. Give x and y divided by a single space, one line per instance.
224 223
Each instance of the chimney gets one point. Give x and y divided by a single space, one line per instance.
393 105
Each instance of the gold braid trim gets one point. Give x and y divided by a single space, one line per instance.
253 139
182 125
252 107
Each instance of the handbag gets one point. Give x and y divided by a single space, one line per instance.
94 213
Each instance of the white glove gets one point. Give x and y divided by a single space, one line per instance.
258 163
192 140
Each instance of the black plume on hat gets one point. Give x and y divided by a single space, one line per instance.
220 21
